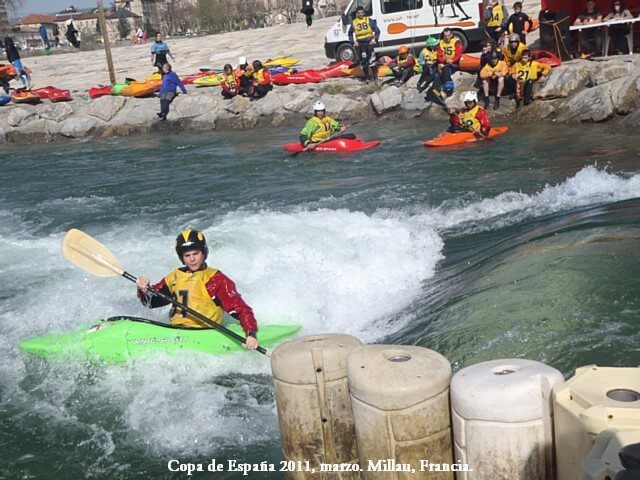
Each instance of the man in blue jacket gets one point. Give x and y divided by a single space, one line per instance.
366 33
170 83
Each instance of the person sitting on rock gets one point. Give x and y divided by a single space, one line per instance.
243 76
170 83
526 73
495 18
428 59
449 54
590 38
513 52
366 33
493 76
230 84
320 127
471 118
402 66
519 22
260 82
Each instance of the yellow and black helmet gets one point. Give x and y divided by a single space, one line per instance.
191 240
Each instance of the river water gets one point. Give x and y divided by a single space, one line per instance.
525 246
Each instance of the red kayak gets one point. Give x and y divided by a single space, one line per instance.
338 145
101 91
335 70
544 56
53 94
305 76
447 139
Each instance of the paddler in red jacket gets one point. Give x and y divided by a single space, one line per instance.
472 118
200 287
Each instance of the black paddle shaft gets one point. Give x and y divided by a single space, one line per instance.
195 314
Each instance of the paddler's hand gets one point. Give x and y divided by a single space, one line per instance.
142 283
251 343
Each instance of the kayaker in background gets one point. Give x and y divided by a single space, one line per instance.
472 118
260 82
495 17
526 73
319 128
200 287
366 33
493 76
428 59
229 83
307 11
13 56
519 22
449 54
513 52
168 92
159 53
402 65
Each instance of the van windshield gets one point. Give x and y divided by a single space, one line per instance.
351 13
393 6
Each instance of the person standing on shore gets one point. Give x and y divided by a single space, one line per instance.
519 22
495 17
72 34
308 11
168 92
159 53
56 35
44 37
13 56
366 33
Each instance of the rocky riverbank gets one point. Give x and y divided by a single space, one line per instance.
578 91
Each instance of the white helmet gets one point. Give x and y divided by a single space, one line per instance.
242 61
514 37
318 106
470 97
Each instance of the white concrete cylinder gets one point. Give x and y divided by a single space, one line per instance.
594 400
400 400
502 419
314 407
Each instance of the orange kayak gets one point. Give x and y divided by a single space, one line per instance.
447 139
25 96
141 89
469 63
7 72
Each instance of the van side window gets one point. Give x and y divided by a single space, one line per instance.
368 10
442 4
393 6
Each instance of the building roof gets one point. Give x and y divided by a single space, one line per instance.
36 18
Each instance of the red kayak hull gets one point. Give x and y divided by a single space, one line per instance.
53 94
543 56
447 139
97 92
335 70
305 76
339 145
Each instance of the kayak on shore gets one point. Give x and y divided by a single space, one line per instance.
100 91
447 139
53 94
338 145
24 96
119 339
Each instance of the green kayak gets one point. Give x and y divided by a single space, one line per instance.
119 339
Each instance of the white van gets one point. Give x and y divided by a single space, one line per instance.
408 22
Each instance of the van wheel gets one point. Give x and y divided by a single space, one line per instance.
462 38
346 53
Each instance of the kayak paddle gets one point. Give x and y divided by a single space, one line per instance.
396 28
93 257
328 139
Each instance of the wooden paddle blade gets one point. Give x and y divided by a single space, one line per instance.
90 255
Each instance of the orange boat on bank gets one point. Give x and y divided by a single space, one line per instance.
24 96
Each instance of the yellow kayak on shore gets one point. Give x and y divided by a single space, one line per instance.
383 71
209 80
282 61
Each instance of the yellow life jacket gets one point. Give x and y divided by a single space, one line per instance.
429 55
468 119
189 288
362 28
528 71
497 16
230 80
449 48
512 57
402 62
259 76
324 131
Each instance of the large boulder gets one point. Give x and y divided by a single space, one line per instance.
78 127
343 107
413 103
632 120
535 112
299 101
625 94
56 112
271 104
137 112
385 100
206 121
193 105
105 108
563 81
238 105
609 72
589 105
18 115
